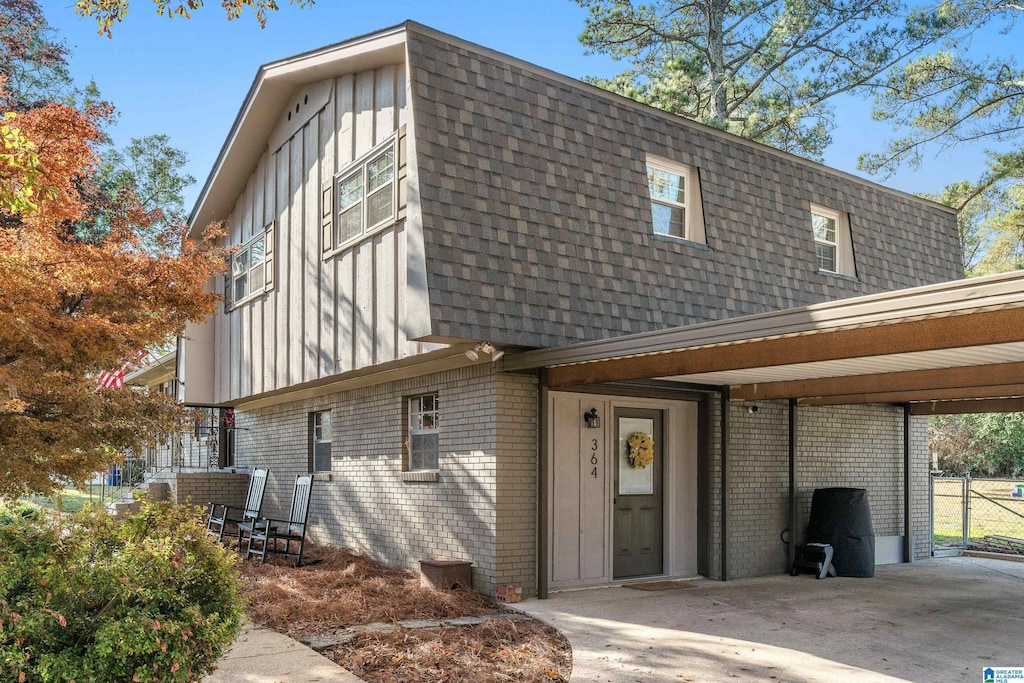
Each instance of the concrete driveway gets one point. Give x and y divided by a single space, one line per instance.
933 621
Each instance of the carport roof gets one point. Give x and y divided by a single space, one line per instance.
953 347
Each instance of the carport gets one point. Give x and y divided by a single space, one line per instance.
954 347
936 620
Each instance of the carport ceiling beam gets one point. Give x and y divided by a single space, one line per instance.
997 391
932 334
912 380
998 405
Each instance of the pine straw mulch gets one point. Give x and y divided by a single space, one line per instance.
346 589
496 651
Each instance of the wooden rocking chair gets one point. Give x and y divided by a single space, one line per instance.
251 513
266 533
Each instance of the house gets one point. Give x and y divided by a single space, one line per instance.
439 251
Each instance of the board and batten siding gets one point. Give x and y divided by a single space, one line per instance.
324 315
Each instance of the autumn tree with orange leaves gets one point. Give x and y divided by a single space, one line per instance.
75 302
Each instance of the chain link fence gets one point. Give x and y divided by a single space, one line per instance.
966 509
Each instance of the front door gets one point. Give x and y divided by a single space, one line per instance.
637 497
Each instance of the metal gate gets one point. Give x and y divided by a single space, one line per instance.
966 509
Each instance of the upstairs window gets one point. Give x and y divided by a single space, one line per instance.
675 200
247 270
251 269
367 196
824 225
833 246
424 432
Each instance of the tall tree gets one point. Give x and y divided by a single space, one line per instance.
764 69
981 445
33 60
946 99
70 308
154 171
109 12
75 299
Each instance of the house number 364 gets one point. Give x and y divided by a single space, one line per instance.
593 457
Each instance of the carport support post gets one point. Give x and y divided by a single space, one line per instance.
543 467
791 548
724 449
908 538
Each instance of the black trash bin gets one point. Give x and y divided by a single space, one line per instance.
841 517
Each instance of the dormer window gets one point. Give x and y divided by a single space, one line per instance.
675 200
833 246
824 225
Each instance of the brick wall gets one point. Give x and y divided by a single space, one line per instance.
486 481
858 446
203 488
759 485
517 482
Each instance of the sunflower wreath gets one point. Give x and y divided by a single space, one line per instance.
641 450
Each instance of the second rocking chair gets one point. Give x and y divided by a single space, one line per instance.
267 533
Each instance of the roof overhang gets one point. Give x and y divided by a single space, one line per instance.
934 347
156 370
270 92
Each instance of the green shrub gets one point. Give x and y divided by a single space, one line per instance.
90 599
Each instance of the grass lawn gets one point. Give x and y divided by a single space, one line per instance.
996 514
68 500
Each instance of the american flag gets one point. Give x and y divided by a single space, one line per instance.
114 379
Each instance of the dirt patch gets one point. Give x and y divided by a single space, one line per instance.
345 589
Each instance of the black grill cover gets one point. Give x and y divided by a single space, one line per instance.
841 517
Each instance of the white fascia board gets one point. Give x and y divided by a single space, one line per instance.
956 297
155 371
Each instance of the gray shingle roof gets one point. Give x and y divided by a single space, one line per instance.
536 217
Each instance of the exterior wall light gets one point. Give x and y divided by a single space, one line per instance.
591 418
484 347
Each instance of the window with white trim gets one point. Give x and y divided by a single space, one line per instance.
424 432
674 191
320 441
824 225
247 268
833 243
367 195
250 269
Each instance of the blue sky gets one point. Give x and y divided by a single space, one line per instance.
188 78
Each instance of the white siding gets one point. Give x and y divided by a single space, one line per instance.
323 316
